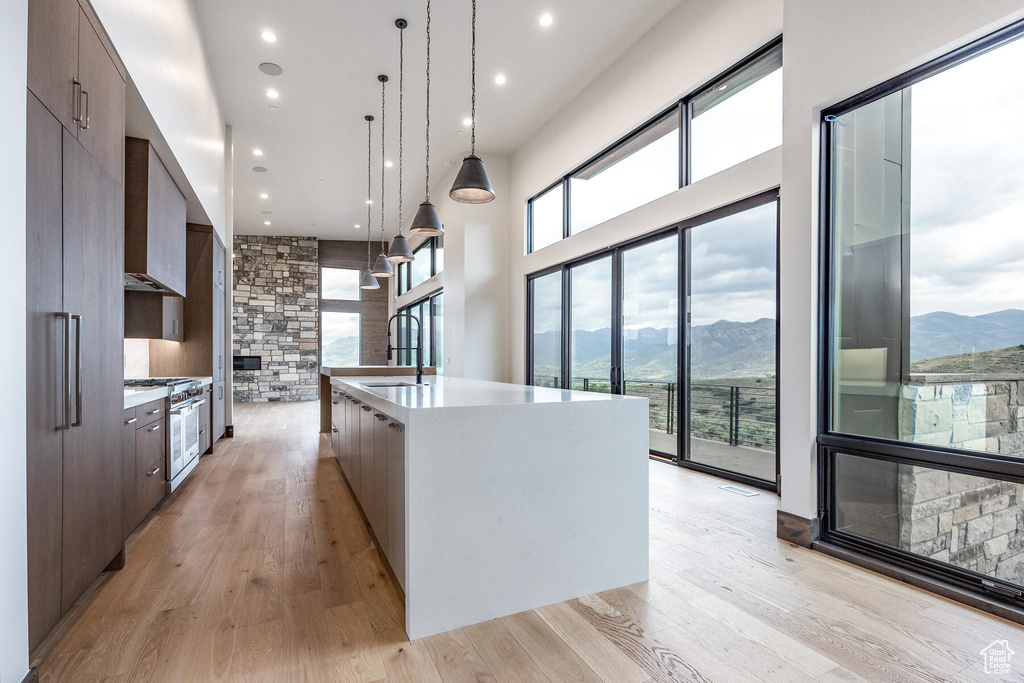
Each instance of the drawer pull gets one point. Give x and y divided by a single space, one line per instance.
367 408
154 428
382 418
132 421
335 430
354 401
394 426
203 430
153 471
153 412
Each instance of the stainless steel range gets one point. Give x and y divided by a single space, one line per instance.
183 434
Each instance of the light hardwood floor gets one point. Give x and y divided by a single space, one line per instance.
262 570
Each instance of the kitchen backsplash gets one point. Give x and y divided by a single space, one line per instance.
136 358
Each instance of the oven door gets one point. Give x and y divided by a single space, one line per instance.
184 438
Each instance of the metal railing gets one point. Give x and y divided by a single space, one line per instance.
734 414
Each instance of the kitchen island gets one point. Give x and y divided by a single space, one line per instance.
489 499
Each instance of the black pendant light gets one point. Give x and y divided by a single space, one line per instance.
472 186
427 222
367 280
382 267
400 252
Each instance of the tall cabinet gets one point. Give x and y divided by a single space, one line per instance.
74 299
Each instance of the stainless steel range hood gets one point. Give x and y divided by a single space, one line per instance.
137 282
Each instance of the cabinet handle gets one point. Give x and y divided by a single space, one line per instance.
85 117
76 90
367 408
394 426
354 401
153 412
202 431
66 424
153 471
174 327
382 418
132 421
78 371
334 429
155 428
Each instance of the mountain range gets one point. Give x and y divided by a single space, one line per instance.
938 334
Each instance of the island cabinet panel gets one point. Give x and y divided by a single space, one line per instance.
365 454
352 456
395 508
379 490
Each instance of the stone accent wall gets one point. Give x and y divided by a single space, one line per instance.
276 292
986 414
971 522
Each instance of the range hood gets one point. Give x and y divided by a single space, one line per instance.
154 223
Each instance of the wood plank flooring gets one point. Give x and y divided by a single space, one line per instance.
261 569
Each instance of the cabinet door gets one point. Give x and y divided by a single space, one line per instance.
102 125
355 439
219 322
128 465
365 457
380 480
174 318
53 57
205 411
44 363
396 500
218 412
93 289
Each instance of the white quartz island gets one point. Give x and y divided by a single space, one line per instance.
490 499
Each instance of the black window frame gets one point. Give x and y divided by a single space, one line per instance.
406 335
682 230
431 244
961 584
682 108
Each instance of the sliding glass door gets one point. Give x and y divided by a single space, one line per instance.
707 367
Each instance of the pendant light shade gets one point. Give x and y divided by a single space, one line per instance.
472 186
426 222
400 251
368 281
382 266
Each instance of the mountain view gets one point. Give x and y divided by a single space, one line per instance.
341 352
939 342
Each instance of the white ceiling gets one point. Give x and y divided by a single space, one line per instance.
332 51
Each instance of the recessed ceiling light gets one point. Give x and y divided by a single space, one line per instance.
264 195
272 94
269 36
545 20
467 121
257 152
321 180
266 222
500 79
356 225
369 201
273 108
271 69
388 164
260 169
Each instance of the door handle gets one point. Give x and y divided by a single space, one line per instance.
78 371
66 424
85 117
153 471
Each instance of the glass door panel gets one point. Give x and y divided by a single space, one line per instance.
650 335
732 324
546 330
590 314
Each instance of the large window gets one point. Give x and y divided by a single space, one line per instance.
707 366
339 333
429 261
923 414
339 284
736 116
429 312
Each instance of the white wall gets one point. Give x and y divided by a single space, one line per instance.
161 47
691 45
833 50
13 566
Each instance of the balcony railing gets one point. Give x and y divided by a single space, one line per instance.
738 415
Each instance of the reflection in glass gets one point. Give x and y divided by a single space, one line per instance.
546 333
546 217
638 171
421 265
438 327
438 254
732 342
737 118
927 304
339 284
590 310
650 333
967 521
339 339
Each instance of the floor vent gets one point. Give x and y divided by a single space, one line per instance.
736 489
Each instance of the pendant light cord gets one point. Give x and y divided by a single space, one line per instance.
401 118
383 130
472 115
428 103
369 190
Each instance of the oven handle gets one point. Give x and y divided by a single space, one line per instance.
188 407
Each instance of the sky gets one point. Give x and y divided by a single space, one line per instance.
967 186
338 326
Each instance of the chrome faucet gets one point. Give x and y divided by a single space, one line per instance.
419 343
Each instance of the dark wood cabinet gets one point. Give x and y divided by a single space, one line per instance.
218 411
154 219
101 129
150 315
145 451
129 420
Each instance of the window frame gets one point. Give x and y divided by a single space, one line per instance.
406 338
359 292
959 583
405 268
683 109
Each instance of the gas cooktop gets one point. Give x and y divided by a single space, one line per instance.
157 381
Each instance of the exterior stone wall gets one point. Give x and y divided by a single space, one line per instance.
971 522
276 293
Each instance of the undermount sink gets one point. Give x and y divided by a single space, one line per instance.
380 385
